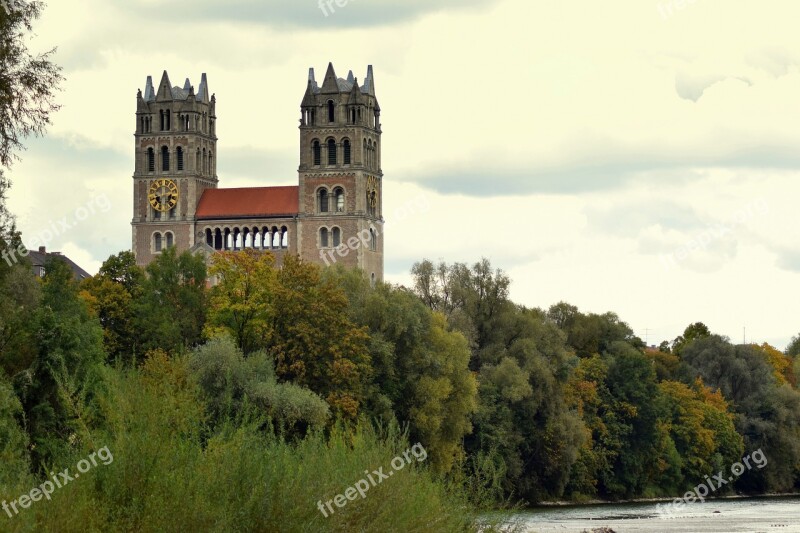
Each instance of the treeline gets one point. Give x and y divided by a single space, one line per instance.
575 406
206 436
183 370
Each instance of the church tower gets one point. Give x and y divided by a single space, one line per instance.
176 150
340 217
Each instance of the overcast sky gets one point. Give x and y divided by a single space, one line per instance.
626 155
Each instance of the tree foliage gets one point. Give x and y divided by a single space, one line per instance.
28 82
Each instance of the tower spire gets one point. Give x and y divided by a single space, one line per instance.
202 92
149 93
369 82
330 85
164 88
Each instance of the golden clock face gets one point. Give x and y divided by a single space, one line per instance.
163 195
372 191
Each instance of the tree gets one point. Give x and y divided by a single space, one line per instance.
20 294
28 82
241 301
793 350
698 426
170 313
57 389
232 385
420 369
122 269
781 364
698 330
312 339
111 295
768 414
13 439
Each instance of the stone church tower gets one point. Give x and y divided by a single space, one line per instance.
334 215
340 174
176 146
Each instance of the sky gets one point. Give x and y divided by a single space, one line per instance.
634 156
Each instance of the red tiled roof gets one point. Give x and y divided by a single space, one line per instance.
249 202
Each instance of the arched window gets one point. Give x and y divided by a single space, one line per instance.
316 150
168 116
180 157
373 240
337 237
210 163
338 198
161 117
164 158
331 111
323 200
197 161
331 152
265 239
205 161
284 237
323 237
346 151
157 242
151 160
170 240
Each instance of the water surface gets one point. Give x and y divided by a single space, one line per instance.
751 515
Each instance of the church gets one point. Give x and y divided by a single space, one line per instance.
333 214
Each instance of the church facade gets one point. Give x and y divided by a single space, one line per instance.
333 215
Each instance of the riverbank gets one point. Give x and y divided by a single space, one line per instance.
661 500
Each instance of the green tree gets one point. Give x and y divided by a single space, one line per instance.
700 429
420 369
20 294
13 439
56 390
793 350
312 339
768 414
235 387
241 301
170 313
28 82
698 330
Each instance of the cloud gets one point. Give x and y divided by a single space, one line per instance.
789 259
257 165
589 172
301 13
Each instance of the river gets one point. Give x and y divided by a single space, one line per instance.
750 515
